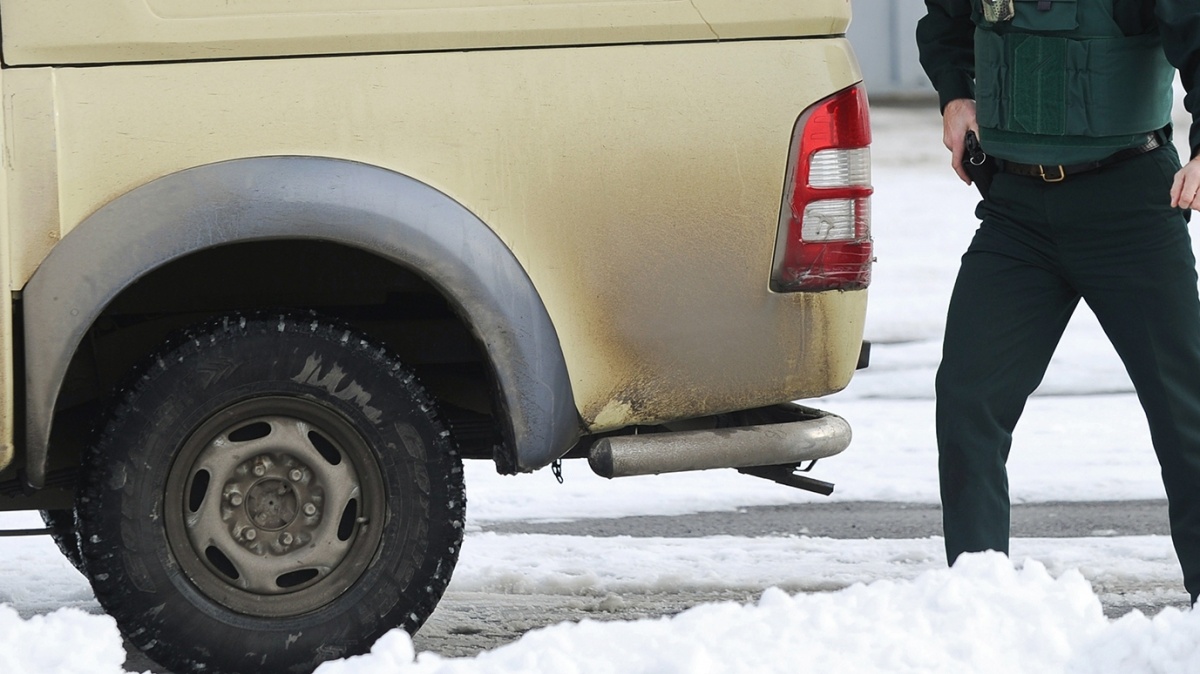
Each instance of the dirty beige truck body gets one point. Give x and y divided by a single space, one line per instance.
546 225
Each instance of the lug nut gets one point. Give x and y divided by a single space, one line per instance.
235 499
310 509
251 534
296 475
260 470
286 538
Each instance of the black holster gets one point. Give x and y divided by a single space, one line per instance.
980 167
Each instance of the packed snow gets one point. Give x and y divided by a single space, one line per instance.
854 606
983 616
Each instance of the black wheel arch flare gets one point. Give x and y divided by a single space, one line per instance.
316 198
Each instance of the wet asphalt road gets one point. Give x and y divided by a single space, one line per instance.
869 520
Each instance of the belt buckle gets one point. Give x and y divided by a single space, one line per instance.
1052 178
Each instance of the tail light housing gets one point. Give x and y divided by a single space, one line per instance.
824 240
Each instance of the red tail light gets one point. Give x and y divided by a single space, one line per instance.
824 240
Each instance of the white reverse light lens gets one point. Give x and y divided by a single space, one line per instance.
835 220
828 220
841 168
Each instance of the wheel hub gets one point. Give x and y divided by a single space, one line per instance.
273 518
272 504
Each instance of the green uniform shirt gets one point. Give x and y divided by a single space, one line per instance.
945 39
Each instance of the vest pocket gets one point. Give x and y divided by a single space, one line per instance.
990 73
1039 94
1126 86
1062 15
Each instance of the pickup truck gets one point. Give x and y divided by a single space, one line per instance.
275 269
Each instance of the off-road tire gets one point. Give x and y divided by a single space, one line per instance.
231 409
61 524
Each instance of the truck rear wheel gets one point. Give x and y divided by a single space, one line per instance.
61 524
270 493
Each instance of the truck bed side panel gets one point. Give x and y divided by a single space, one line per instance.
639 186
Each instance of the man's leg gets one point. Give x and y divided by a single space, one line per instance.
1007 314
1144 293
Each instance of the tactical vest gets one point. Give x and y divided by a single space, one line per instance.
1060 83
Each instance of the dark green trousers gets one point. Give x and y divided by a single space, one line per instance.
1110 238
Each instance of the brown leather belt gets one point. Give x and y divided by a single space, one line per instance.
1055 173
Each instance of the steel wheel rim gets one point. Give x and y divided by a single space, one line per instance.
274 506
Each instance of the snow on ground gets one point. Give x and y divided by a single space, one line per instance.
982 617
863 606
576 565
37 580
65 641
856 606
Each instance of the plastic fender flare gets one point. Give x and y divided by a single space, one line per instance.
256 199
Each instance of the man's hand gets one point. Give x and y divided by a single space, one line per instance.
957 119
1187 182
